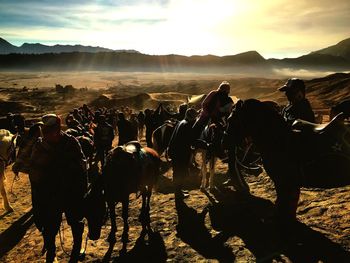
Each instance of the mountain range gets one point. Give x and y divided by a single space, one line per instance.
37 48
78 57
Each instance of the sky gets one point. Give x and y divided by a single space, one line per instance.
274 28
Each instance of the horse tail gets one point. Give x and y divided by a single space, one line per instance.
152 152
156 161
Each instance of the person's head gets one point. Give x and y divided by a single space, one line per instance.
190 114
51 128
148 112
294 89
182 108
224 87
9 116
101 118
35 130
121 116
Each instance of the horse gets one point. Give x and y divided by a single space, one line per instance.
7 156
162 135
129 169
86 143
292 158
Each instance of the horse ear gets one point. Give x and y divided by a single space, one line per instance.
238 105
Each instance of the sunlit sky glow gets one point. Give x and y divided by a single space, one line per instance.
274 28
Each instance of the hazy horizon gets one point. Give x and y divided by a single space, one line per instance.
199 27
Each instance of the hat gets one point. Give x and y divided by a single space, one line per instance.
50 120
293 83
224 86
190 114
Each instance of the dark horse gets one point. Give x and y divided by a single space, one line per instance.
161 136
129 169
311 157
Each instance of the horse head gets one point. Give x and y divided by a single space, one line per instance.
8 146
95 208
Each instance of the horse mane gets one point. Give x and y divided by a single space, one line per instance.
6 142
5 134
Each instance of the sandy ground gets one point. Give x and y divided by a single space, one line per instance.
236 229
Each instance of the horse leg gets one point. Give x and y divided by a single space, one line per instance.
111 207
125 215
144 213
6 203
203 170
148 207
212 171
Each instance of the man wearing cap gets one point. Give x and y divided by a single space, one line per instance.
179 151
215 105
58 178
299 107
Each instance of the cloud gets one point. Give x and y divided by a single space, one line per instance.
222 27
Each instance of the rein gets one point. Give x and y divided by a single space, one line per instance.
62 240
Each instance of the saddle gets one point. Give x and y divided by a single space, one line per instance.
324 152
139 154
305 126
132 147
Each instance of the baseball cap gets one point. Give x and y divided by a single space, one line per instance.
293 83
50 120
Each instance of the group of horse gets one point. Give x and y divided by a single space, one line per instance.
320 157
323 160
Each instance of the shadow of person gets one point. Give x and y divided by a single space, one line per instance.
149 247
310 245
192 230
251 219
11 236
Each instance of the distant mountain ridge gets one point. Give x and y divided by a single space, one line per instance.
342 49
78 57
37 48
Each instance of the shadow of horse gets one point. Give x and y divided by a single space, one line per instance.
151 249
192 230
251 219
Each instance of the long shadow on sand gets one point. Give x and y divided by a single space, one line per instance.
149 247
249 218
192 230
11 236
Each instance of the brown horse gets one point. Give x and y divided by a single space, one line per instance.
129 169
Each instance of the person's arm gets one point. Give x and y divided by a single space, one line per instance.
208 99
77 163
305 112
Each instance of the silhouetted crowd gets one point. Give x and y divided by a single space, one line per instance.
58 156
